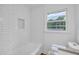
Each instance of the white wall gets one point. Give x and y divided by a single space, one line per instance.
12 36
62 37
38 32
77 22
36 23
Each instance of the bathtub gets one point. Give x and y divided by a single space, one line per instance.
29 49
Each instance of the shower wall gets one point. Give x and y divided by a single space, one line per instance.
11 37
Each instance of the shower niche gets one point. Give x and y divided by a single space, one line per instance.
21 23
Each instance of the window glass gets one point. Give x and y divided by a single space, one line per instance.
56 21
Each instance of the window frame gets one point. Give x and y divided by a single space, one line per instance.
47 30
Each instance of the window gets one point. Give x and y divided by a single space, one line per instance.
56 21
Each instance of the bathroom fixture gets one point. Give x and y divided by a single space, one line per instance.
73 45
55 49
